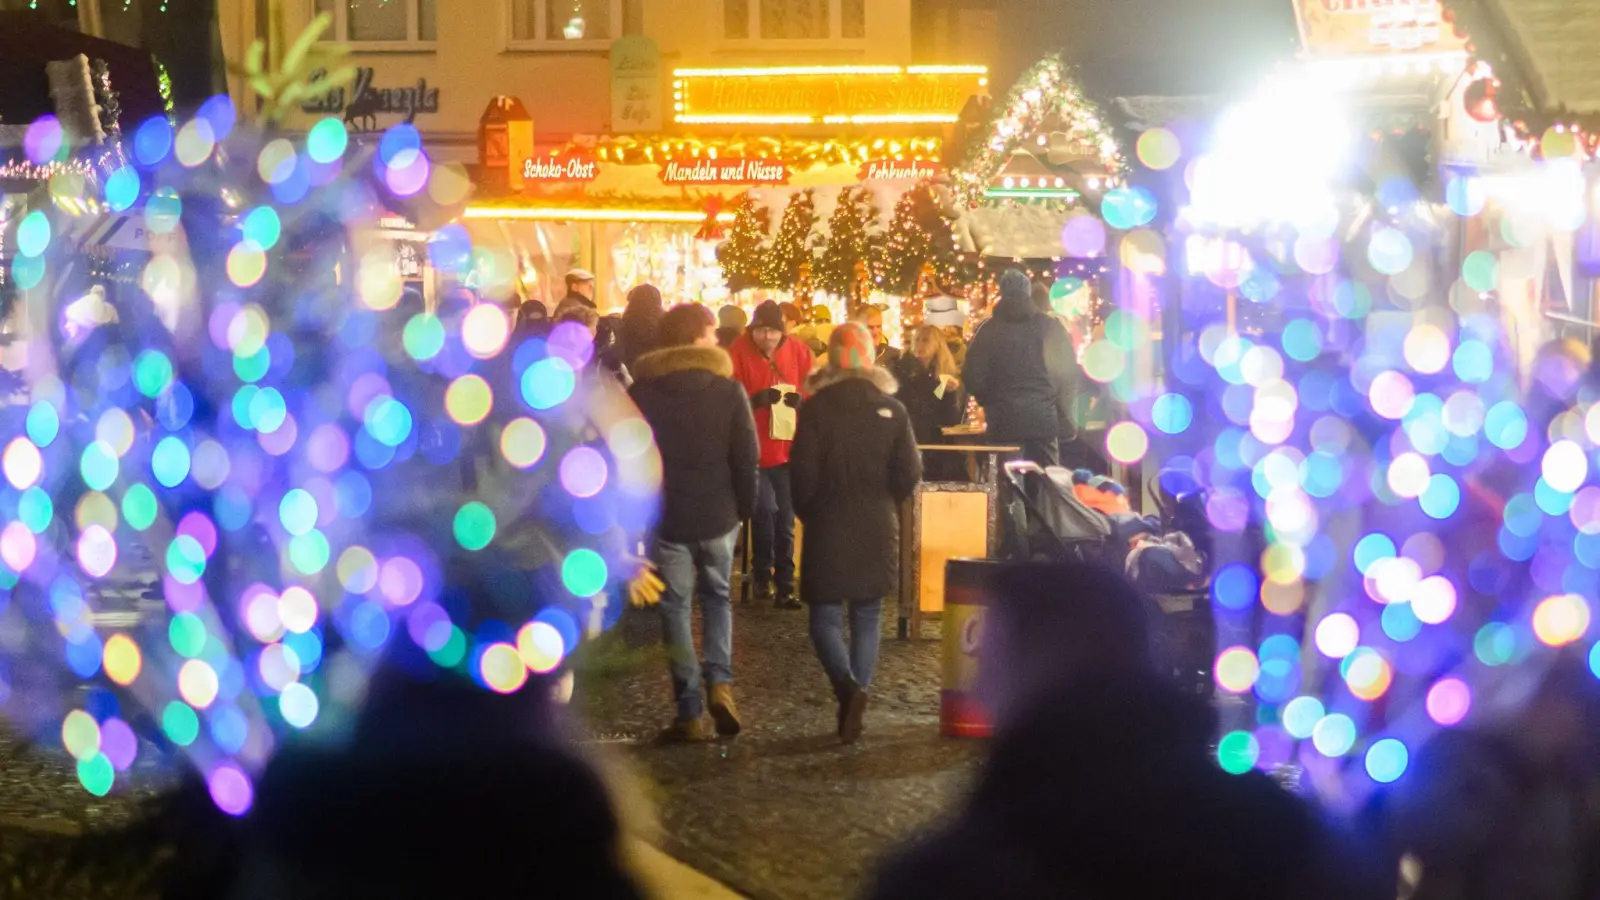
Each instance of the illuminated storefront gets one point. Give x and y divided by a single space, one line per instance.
646 208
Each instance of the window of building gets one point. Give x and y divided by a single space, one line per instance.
794 20
382 24
564 24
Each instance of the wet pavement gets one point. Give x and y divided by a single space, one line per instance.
785 811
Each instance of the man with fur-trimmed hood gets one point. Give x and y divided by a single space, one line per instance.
709 455
853 463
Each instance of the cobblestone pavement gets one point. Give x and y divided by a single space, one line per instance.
785 811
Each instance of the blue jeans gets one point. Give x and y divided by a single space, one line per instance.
852 666
710 564
772 529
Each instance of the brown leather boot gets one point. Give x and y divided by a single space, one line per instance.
723 710
850 714
687 731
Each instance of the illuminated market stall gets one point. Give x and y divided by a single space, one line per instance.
653 207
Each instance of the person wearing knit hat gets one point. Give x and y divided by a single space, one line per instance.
771 366
1022 370
853 464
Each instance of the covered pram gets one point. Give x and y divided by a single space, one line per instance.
1044 519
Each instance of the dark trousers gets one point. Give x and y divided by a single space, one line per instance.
773 530
1044 451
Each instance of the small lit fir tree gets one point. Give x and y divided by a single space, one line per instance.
852 245
743 254
919 233
792 247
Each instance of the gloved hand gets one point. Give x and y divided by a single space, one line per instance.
764 399
791 400
646 587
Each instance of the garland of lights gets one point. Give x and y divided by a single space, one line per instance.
798 153
1043 90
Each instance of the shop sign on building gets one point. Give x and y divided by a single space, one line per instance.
898 170
361 103
831 95
543 170
727 171
1364 27
636 85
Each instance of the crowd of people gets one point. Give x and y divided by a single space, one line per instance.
782 415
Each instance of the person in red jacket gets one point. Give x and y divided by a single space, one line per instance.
771 366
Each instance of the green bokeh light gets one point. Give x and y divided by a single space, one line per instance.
187 634
180 723
475 526
139 507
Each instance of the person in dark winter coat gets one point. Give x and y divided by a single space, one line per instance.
854 462
580 290
707 440
764 358
641 320
1099 784
930 390
1019 367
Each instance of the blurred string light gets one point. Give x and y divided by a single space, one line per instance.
270 441
1419 469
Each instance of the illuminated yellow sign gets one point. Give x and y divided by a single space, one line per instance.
826 95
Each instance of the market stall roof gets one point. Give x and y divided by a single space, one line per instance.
1543 51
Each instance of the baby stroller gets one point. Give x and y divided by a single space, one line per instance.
1045 521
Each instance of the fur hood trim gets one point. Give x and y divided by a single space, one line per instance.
828 376
658 363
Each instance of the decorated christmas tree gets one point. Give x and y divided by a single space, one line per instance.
743 253
851 246
792 248
918 233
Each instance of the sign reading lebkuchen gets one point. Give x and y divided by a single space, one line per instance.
724 171
1367 27
559 168
898 170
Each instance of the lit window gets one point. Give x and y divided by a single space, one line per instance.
794 20
564 24
376 24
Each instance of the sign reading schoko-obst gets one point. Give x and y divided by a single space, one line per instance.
898 170
1362 27
832 95
724 171
560 168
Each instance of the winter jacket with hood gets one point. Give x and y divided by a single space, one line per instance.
707 440
1020 367
789 364
1104 790
855 460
